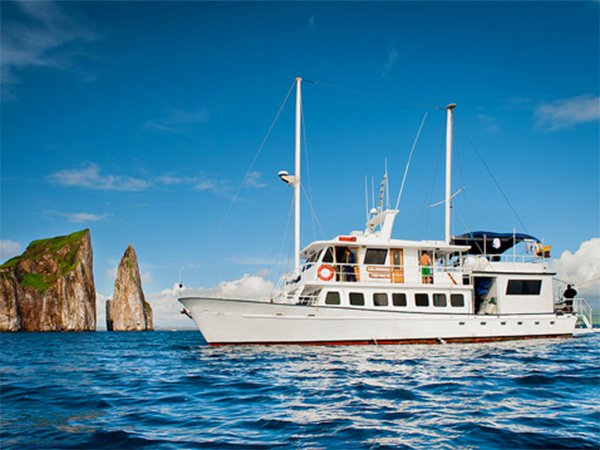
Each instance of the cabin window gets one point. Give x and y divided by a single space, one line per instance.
524 287
357 299
332 298
375 256
314 257
380 299
422 299
439 300
328 256
457 300
399 299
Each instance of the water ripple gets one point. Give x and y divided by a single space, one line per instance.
167 390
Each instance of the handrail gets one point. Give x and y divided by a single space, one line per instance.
583 311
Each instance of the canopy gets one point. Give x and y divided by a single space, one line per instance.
490 242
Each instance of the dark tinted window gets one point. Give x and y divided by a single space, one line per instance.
380 299
399 299
375 256
333 298
421 299
524 287
439 300
357 299
457 300
328 256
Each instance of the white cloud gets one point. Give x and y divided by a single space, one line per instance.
101 311
9 248
568 112
178 118
146 277
312 22
580 267
253 181
40 34
79 217
391 60
167 310
111 273
90 177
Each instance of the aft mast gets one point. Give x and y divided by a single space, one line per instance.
449 109
297 175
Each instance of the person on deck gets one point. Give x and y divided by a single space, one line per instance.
350 259
425 262
569 295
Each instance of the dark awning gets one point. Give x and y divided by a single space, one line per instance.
491 243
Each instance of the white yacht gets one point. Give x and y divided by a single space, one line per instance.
366 287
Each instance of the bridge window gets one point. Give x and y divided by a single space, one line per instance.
457 300
524 287
332 298
439 300
328 256
422 299
399 299
375 256
380 299
357 299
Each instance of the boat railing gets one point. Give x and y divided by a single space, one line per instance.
584 312
353 272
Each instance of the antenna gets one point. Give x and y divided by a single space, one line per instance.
387 186
372 193
366 199
412 151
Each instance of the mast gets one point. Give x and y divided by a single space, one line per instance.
297 175
449 109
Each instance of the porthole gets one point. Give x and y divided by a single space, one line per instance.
502 323
519 323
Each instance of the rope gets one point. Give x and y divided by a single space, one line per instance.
492 177
375 94
412 150
243 182
309 190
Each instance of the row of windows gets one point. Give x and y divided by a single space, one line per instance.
398 299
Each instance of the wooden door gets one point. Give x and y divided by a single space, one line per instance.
397 257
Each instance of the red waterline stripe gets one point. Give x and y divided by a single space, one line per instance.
431 341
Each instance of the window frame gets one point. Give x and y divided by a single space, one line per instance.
421 294
401 295
373 251
375 303
339 297
350 294
529 287
438 295
462 299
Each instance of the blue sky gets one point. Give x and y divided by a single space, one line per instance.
140 120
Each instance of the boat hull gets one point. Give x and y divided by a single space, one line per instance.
230 322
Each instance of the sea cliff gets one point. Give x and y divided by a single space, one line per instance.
50 287
128 309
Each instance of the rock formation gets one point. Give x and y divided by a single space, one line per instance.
128 309
50 287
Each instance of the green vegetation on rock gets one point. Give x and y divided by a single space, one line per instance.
52 246
35 281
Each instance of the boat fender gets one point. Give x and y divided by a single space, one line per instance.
325 272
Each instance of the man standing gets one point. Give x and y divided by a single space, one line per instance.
569 295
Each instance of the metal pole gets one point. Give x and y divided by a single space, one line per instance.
449 109
297 175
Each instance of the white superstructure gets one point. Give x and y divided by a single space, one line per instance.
366 287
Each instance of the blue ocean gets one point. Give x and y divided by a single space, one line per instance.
168 390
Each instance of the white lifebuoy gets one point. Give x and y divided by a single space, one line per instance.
325 272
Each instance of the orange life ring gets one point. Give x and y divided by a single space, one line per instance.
325 277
